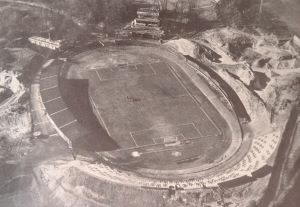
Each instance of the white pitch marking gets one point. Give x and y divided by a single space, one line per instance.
135 67
95 106
52 100
45 89
68 124
133 139
158 151
111 79
99 76
182 136
153 139
197 129
160 126
52 135
154 72
49 77
172 135
59 111
149 145
193 98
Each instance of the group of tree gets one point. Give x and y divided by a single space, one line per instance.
238 12
94 11
179 6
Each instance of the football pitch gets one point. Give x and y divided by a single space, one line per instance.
154 109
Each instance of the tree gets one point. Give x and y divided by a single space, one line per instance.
85 10
191 5
238 12
163 4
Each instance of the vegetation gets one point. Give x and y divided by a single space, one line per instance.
238 12
4 94
5 57
91 11
238 45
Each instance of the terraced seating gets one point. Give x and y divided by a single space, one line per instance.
261 150
57 110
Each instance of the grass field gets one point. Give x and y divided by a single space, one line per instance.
149 108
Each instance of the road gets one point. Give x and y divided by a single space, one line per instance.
277 183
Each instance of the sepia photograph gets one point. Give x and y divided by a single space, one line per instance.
149 103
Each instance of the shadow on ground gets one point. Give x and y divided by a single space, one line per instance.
76 97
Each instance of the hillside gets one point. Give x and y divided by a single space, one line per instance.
259 64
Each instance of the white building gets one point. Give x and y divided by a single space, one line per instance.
44 42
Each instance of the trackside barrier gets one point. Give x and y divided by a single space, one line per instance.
262 148
214 84
60 133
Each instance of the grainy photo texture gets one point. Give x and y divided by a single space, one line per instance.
149 103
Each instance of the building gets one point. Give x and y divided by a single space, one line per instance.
148 12
45 42
146 25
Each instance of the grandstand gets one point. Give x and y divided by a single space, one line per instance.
169 133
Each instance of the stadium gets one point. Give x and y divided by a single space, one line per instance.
154 118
